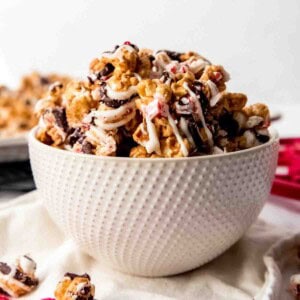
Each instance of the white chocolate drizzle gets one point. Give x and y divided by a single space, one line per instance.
110 115
152 145
96 136
184 127
121 95
27 264
183 148
215 94
200 112
196 64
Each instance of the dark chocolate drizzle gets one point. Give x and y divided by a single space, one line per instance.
73 275
229 124
114 103
194 131
262 138
60 117
165 77
197 88
172 54
112 51
108 69
74 134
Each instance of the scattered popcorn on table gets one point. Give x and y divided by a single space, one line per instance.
18 279
295 286
140 103
75 287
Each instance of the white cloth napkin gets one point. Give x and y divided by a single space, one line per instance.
240 273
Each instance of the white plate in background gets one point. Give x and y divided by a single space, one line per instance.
14 149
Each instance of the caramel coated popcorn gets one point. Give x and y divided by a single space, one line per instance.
141 103
75 287
19 278
17 106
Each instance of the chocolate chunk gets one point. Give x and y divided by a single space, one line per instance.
74 135
87 147
73 275
85 290
229 124
60 117
20 276
4 268
114 103
197 88
44 80
194 130
172 54
262 138
151 58
105 71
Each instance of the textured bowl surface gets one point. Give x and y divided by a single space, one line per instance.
154 217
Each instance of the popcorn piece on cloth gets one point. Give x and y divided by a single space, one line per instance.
75 287
295 286
18 279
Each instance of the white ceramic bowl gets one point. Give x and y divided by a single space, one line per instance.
154 217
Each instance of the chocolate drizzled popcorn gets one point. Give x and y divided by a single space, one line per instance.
18 279
153 104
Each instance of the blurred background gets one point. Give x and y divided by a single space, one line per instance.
256 41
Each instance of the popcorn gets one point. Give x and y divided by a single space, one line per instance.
75 287
295 285
17 106
78 102
18 279
260 110
53 125
141 103
217 75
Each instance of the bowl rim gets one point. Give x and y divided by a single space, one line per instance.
33 140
